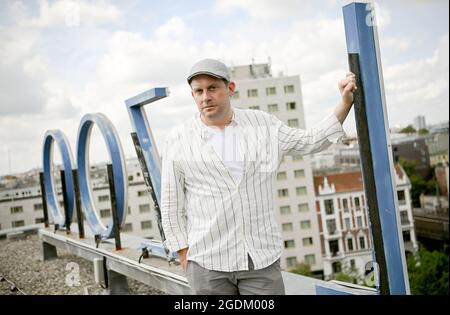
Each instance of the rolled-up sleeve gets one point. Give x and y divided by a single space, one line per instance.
172 201
309 141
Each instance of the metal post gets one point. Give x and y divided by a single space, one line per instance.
80 217
148 182
44 199
145 146
375 149
66 206
115 216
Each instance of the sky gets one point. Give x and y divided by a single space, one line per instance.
60 60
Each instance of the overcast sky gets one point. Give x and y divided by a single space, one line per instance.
60 60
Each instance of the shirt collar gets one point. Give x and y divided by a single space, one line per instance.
206 133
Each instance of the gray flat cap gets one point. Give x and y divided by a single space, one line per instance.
211 67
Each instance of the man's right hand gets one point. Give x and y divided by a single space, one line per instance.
182 255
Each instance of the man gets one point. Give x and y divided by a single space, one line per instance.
218 175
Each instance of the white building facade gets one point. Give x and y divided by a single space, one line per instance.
343 220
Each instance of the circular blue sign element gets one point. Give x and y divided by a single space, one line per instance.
50 137
115 151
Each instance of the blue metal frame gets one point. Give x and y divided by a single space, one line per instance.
118 164
139 122
50 137
361 37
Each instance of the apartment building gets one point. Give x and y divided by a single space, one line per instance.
281 96
344 222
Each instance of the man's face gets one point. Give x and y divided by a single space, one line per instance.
212 96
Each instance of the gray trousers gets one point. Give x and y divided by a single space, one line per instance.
266 281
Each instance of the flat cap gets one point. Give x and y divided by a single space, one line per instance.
211 67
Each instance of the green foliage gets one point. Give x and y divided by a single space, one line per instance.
348 274
423 131
428 272
302 269
418 184
408 129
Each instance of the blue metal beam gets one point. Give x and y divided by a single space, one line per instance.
376 156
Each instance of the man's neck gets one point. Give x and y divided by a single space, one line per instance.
222 123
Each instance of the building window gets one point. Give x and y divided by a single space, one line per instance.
404 217
285 210
307 241
334 247
297 157
39 220
357 205
103 198
329 207
301 191
38 206
406 236
271 108
105 213
345 205
145 225
347 224
128 227
331 226
306 224
310 259
254 107
291 262
286 227
362 242
18 223
288 89
130 178
142 193
299 173
236 95
129 210
16 209
359 222
290 106
401 197
271 91
350 244
336 266
293 123
252 93
144 208
281 176
303 207
283 192
289 244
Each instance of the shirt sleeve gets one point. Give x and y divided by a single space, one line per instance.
172 200
308 141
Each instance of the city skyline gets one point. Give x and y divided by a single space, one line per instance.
64 59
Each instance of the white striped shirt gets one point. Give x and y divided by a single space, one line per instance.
203 207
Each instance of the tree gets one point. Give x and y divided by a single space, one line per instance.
408 129
428 272
348 274
423 131
302 269
418 184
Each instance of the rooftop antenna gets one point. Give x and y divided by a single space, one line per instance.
9 161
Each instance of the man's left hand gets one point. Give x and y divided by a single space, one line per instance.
347 87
